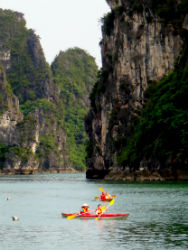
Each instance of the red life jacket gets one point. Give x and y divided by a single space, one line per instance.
103 197
84 210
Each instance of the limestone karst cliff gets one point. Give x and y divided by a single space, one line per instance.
42 108
143 41
9 111
75 71
32 136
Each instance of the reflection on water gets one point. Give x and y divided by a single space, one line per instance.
158 214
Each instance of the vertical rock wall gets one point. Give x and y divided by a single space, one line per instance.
33 140
138 48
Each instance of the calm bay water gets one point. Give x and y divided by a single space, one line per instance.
158 214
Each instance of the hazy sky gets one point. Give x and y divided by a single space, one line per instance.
63 24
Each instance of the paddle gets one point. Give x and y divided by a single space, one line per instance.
97 197
101 189
105 208
113 195
69 217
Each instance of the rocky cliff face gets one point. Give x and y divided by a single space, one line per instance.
34 139
10 113
139 47
14 155
75 73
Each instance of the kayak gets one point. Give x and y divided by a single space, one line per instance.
92 216
106 199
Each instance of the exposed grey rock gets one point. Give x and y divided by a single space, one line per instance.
137 48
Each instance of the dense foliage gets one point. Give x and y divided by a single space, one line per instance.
30 106
28 70
75 73
21 152
4 92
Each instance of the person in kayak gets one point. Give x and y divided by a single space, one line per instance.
102 196
84 209
105 196
99 210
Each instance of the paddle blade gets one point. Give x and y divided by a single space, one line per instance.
104 208
71 216
111 202
114 195
101 189
96 197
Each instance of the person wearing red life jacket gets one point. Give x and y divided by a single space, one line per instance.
105 196
84 209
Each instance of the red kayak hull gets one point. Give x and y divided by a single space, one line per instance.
92 216
110 199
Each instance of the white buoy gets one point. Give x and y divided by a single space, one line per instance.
8 198
15 218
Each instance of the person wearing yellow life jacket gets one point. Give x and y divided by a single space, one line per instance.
84 209
99 210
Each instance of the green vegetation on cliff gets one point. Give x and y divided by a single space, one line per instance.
16 151
28 69
75 73
5 91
